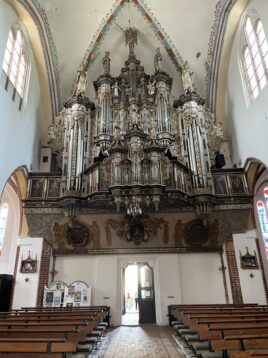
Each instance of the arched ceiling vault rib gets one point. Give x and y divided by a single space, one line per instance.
148 17
227 16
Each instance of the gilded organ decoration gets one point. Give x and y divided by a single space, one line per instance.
137 229
131 153
134 143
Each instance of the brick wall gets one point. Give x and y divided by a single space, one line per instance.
233 272
14 276
44 271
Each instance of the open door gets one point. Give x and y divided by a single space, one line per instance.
146 298
124 295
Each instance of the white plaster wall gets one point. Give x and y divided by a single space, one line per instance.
25 293
7 260
179 278
248 124
201 279
252 288
19 134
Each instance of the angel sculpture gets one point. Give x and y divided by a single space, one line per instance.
106 63
187 77
81 81
131 37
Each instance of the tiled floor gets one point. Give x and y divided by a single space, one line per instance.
130 319
141 342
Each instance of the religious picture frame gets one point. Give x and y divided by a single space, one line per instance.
28 265
220 184
71 290
49 297
77 296
53 187
37 188
237 184
248 261
85 298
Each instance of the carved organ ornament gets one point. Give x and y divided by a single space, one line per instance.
133 144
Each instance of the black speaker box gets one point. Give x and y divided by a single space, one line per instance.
6 282
219 160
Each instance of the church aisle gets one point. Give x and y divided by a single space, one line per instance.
141 342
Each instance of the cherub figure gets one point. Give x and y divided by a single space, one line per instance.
151 88
116 89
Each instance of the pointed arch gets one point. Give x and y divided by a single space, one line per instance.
148 16
227 16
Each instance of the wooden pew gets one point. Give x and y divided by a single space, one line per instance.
230 328
34 329
53 349
71 334
256 354
174 310
241 342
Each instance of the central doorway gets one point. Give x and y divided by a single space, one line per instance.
138 295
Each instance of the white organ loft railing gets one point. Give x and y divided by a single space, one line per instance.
255 57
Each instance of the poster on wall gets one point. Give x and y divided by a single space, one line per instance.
54 294
77 296
49 297
58 294
57 299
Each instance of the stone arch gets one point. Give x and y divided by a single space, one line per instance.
18 182
15 190
227 17
254 170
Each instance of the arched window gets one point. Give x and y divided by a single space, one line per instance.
255 57
262 208
3 223
15 62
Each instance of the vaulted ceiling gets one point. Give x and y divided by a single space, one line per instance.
81 31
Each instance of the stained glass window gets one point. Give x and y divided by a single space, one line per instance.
262 207
3 222
255 57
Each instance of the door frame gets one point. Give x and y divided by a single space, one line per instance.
151 262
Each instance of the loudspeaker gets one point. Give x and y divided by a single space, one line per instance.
219 160
6 282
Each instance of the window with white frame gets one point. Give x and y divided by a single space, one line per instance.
255 56
3 224
15 62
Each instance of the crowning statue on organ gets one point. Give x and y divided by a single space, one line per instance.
133 154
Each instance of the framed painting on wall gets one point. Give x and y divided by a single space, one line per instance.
53 188
237 183
28 265
220 184
37 188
